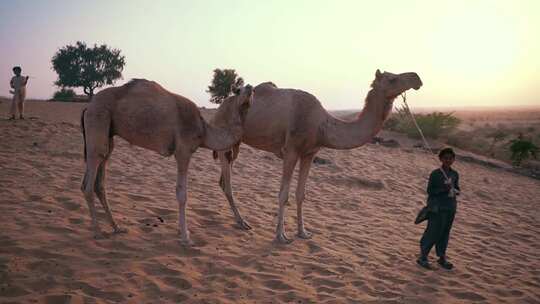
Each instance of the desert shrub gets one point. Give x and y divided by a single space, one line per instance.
479 145
459 139
433 125
521 150
64 95
497 135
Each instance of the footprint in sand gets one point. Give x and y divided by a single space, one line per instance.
35 198
277 285
67 203
55 299
352 182
76 220
12 291
162 211
319 270
483 194
313 247
138 198
59 230
177 282
324 282
467 295
108 296
158 269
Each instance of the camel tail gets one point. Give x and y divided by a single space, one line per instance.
83 132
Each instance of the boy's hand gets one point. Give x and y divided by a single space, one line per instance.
448 184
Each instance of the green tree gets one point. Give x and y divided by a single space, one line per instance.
224 83
521 150
90 68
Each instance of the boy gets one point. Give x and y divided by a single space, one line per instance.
443 186
18 84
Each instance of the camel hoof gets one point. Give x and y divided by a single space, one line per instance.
99 235
243 225
282 239
119 230
304 235
186 242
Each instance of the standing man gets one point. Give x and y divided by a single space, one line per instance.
443 186
18 84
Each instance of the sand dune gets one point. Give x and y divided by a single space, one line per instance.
360 209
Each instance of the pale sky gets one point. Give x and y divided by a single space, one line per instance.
468 53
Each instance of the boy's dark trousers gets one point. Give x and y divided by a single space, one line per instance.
437 232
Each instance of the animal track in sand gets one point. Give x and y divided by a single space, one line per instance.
351 181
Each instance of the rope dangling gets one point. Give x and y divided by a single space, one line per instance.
426 144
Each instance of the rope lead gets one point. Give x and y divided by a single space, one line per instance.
426 144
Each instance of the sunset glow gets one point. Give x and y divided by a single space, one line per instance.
468 53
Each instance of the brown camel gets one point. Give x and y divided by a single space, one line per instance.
146 115
293 125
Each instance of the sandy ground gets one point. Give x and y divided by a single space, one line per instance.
360 209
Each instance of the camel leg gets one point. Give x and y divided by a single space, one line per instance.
92 164
225 184
289 162
182 162
101 193
305 165
97 149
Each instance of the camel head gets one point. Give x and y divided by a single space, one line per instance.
388 86
233 109
393 85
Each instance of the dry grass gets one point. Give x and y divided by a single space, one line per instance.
478 127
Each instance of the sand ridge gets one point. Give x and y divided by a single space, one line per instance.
360 209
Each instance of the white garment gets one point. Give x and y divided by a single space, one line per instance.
18 83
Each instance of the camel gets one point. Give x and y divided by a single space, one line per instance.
293 125
146 115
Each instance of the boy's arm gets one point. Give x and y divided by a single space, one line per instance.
456 182
11 84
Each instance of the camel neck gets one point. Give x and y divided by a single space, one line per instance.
221 138
340 134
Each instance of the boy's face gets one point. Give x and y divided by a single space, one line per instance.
447 159
17 72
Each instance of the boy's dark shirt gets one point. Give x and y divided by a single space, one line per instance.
438 198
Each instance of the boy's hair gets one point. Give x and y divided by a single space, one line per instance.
446 151
17 69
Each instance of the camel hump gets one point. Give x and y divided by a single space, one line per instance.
266 85
138 82
142 84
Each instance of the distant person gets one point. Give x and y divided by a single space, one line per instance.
442 190
18 84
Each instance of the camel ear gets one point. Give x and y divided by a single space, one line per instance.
249 91
246 99
378 74
236 90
